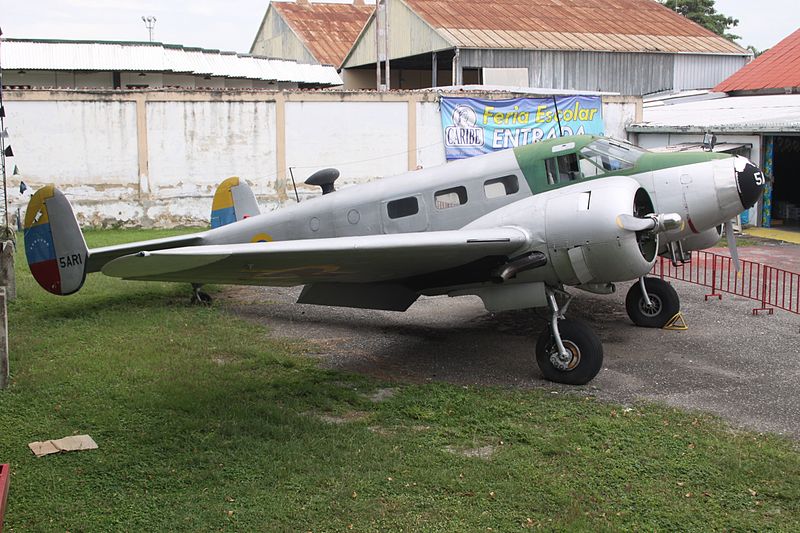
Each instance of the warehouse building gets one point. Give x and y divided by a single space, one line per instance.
308 32
37 63
634 47
755 112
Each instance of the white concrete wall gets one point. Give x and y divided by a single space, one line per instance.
74 143
364 140
194 145
430 143
154 158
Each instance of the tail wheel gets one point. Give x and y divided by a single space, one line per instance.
583 347
664 303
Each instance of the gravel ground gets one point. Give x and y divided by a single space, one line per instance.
741 367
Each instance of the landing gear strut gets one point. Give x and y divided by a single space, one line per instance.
568 351
652 303
199 297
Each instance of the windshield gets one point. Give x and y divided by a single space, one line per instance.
610 155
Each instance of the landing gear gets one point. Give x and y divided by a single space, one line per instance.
199 297
652 303
568 351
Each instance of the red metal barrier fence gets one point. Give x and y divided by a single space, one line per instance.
773 288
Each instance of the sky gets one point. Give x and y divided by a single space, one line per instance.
232 24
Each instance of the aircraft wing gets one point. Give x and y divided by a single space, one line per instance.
362 259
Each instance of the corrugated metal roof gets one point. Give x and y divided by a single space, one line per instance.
777 68
596 25
327 30
32 54
763 113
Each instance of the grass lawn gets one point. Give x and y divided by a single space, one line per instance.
205 423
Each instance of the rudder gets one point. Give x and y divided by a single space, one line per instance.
233 201
54 245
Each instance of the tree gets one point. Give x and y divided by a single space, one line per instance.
704 13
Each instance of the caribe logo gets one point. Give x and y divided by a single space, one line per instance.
463 131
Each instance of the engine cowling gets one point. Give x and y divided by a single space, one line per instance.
579 229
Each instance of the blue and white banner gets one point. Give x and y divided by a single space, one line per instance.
473 126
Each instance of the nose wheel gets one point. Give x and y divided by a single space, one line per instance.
657 308
568 351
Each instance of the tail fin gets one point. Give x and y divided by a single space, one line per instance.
233 201
54 245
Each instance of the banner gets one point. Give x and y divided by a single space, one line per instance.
472 126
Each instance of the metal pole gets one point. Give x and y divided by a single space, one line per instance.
3 145
377 47
4 369
386 45
435 70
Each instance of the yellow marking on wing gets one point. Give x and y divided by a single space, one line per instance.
261 237
36 213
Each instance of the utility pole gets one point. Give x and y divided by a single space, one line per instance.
382 45
150 23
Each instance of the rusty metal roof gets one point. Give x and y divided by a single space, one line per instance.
595 25
327 30
777 68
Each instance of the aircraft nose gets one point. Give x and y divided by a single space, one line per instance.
750 181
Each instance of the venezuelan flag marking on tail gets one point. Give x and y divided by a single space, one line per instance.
39 249
54 245
233 201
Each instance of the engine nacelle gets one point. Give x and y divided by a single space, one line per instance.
579 230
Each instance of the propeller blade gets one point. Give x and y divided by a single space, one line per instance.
731 238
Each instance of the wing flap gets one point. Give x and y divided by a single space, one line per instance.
364 259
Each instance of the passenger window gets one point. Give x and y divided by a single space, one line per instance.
562 169
404 207
450 198
497 187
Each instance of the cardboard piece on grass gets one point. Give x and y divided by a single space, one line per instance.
74 443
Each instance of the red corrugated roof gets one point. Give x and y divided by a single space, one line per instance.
607 25
327 30
777 68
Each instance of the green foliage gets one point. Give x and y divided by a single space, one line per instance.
205 422
704 13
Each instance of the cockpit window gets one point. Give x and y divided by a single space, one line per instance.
563 169
605 155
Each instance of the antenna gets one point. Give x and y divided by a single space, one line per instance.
150 23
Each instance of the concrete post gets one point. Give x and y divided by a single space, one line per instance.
4 371
7 277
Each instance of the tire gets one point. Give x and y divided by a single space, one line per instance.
665 300
201 298
582 342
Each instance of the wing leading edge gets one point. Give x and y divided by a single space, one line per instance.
363 259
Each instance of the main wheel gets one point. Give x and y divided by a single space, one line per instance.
581 343
201 298
664 303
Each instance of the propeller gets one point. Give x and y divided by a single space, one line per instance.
656 223
731 238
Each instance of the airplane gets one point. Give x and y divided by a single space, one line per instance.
514 227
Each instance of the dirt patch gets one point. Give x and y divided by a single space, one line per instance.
346 418
483 452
